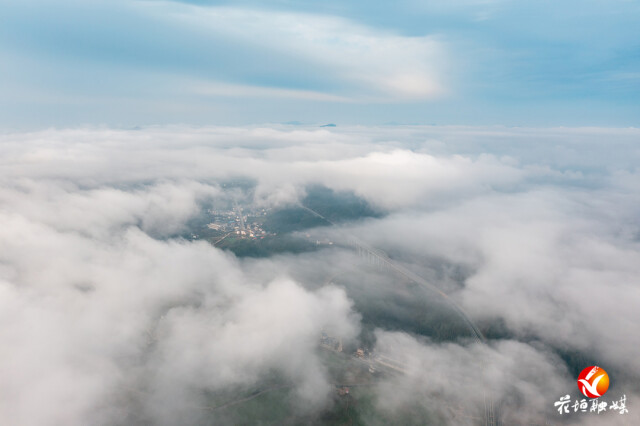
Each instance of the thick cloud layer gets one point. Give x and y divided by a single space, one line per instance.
107 318
86 319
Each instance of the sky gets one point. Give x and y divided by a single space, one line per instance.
497 140
475 62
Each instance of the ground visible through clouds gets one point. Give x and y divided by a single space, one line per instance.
296 274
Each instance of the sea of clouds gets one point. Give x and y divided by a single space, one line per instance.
106 318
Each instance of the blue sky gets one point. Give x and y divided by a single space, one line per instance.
478 62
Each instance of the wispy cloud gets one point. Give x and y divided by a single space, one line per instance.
367 64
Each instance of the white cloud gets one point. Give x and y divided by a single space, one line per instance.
458 381
103 315
369 65
87 319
